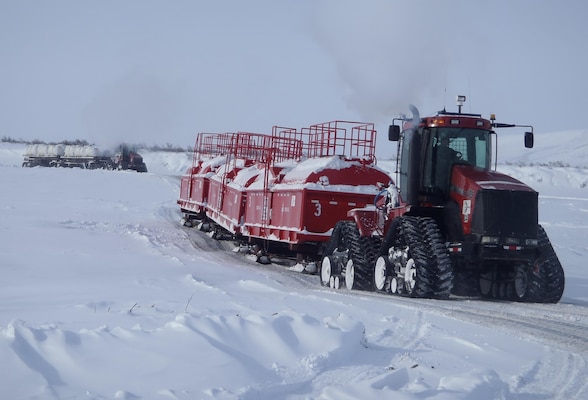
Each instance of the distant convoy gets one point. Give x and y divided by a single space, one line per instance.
449 225
88 157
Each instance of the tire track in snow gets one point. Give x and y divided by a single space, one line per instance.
562 328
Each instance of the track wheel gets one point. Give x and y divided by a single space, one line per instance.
396 285
187 222
410 275
350 275
521 281
382 273
486 283
326 273
263 259
335 283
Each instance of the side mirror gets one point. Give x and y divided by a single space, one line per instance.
529 140
394 133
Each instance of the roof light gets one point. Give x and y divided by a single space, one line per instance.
479 123
455 122
460 100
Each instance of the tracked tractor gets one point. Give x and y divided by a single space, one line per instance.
451 224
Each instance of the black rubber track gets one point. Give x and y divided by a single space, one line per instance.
372 252
465 283
391 236
546 280
413 236
439 260
363 251
336 240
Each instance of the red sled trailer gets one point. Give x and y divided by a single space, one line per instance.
210 153
282 192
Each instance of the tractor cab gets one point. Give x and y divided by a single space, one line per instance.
445 172
451 140
431 147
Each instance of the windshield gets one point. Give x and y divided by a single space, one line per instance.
448 146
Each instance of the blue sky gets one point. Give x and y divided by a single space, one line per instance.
161 71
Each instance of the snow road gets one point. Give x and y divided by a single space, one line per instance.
103 295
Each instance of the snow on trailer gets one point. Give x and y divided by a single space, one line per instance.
59 155
285 191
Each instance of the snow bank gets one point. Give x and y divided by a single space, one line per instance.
247 348
11 154
166 163
558 149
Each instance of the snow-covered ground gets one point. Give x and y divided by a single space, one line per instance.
104 296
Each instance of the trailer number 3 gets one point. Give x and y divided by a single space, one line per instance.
318 208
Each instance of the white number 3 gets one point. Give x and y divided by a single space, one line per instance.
317 213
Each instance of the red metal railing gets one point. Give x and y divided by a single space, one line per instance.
343 138
210 145
354 140
288 142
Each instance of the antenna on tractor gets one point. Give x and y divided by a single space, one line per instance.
460 100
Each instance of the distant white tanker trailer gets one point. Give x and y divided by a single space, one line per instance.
89 157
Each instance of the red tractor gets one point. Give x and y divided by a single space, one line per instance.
453 225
